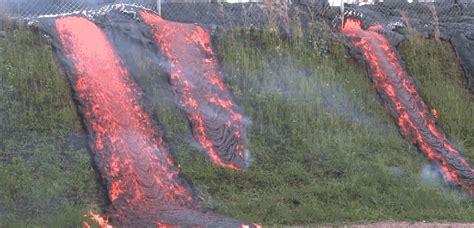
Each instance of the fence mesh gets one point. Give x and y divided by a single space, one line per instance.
32 8
241 12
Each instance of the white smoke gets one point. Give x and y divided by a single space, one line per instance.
430 175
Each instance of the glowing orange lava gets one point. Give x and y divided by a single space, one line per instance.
217 125
416 121
130 152
435 113
101 221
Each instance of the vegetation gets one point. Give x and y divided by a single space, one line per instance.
46 174
443 85
324 149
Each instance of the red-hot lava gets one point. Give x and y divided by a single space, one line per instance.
98 219
415 120
217 124
132 157
142 180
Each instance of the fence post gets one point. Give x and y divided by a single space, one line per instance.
158 6
18 9
342 12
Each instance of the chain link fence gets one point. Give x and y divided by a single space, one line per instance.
254 12
34 8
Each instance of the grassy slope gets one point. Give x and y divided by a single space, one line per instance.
324 149
443 85
46 173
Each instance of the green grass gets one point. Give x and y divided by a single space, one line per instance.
324 148
442 83
46 174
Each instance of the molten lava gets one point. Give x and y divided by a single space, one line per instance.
131 155
217 124
143 183
416 121
101 221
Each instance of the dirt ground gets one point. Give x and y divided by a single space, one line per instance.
413 225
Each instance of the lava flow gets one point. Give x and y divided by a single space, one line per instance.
415 120
217 124
99 220
131 155
143 183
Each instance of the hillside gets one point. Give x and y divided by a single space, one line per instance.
324 150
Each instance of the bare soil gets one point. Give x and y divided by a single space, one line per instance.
413 225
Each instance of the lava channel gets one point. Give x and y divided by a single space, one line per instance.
143 182
217 124
415 120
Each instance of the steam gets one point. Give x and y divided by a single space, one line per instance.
430 174
333 97
217 122
415 120
144 185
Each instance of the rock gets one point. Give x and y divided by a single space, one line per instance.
319 5
464 48
245 14
3 34
456 25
